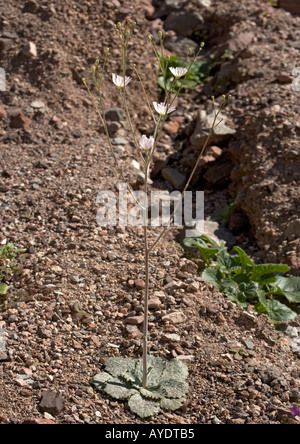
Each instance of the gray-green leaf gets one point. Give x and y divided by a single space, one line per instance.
174 388
172 404
101 379
143 407
118 389
118 365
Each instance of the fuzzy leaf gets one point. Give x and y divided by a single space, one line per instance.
118 389
118 365
143 407
101 379
176 369
156 366
150 394
174 388
171 404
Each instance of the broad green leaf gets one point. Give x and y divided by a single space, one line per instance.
143 407
244 258
3 289
279 312
212 276
289 287
207 252
227 262
249 290
266 269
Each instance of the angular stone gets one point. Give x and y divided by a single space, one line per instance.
3 356
240 42
180 44
216 232
170 337
38 421
176 179
139 284
29 50
188 266
19 121
184 23
135 320
114 114
43 333
176 317
186 359
154 302
221 132
52 403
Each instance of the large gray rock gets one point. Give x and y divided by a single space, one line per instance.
184 23
179 44
52 403
215 231
221 132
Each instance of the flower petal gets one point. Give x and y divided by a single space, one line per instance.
178 72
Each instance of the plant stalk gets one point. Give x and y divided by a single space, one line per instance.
147 276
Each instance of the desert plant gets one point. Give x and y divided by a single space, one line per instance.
8 265
148 381
166 386
244 282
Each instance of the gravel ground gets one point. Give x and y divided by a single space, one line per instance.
72 305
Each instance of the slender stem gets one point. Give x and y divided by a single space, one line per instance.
189 180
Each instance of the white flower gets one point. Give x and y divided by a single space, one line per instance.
178 72
146 143
119 80
162 109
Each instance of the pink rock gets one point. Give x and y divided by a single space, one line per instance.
135 320
38 421
176 317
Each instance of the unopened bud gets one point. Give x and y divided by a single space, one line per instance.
223 97
150 37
